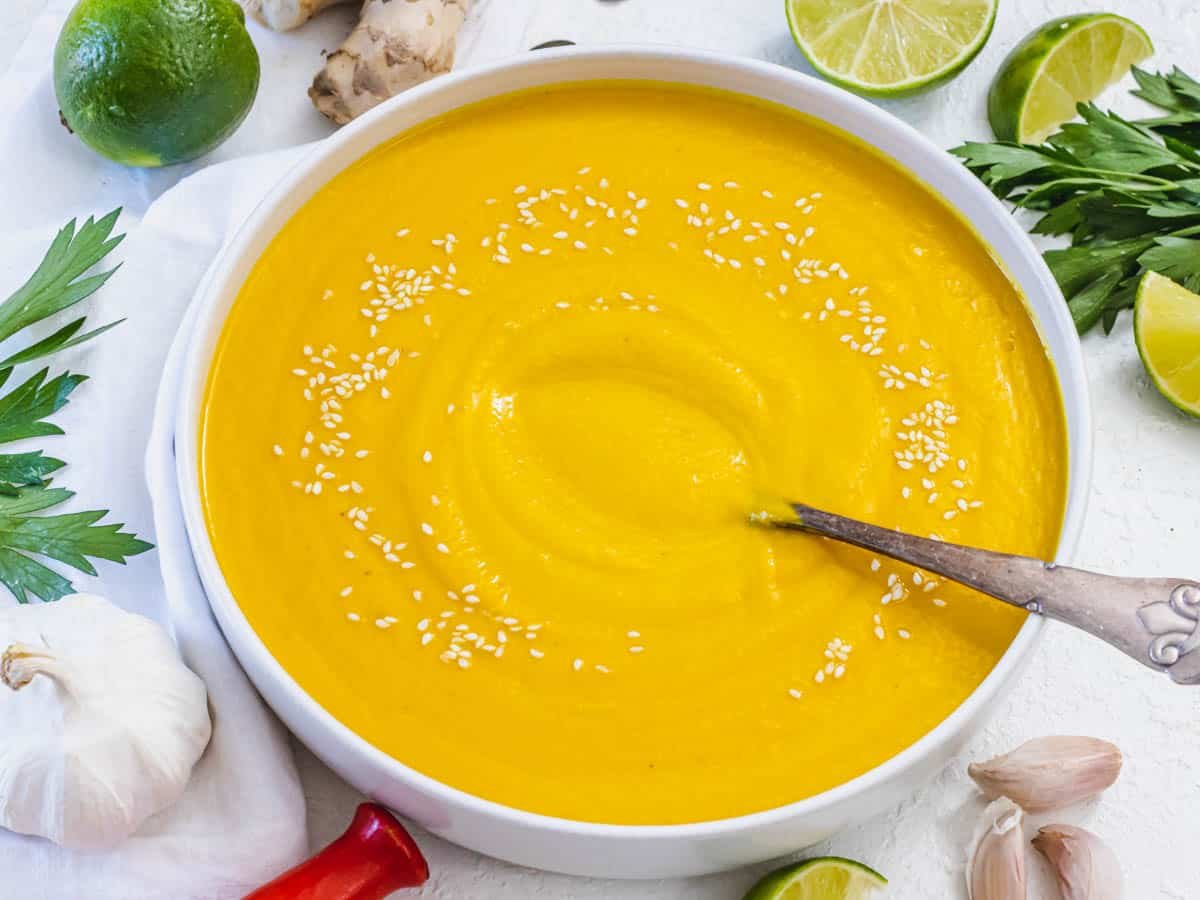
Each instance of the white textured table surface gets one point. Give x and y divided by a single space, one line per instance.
1144 518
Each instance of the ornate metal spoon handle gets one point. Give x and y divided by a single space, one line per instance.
1154 620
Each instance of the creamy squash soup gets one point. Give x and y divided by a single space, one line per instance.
489 418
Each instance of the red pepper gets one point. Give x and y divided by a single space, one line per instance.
374 857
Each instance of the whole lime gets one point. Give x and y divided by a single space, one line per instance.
155 82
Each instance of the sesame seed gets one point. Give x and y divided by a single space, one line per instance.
353 617
795 694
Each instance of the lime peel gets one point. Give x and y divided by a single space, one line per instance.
154 82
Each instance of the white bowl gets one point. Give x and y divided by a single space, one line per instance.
558 844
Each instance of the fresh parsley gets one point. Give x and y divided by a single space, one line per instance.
1126 193
72 539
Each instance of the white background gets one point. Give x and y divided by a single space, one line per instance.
1144 515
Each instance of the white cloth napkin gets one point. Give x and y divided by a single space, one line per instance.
242 818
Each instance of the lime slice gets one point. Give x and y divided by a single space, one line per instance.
890 47
1065 62
1166 323
825 878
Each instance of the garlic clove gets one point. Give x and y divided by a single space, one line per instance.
996 866
1084 866
1049 773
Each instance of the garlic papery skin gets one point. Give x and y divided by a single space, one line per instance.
101 721
1049 773
1084 866
996 864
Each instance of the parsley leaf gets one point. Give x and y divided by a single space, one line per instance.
57 282
72 539
23 408
1126 194
1177 258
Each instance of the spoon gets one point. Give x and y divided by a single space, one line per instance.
1154 620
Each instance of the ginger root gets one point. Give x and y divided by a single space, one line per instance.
396 44
284 15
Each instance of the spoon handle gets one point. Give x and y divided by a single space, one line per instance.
1154 620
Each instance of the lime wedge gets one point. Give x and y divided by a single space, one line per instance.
825 878
890 47
1065 62
1166 323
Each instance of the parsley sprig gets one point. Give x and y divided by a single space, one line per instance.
72 539
1127 193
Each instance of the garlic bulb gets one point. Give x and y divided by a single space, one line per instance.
996 865
109 732
1050 772
1084 866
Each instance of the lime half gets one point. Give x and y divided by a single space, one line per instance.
890 47
1166 322
1065 62
825 878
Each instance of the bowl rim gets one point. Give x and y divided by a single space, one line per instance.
255 657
